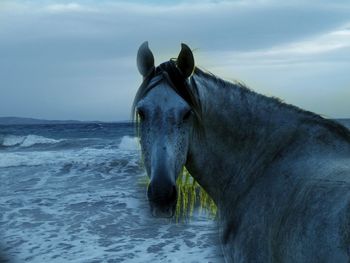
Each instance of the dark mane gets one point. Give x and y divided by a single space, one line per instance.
309 117
169 71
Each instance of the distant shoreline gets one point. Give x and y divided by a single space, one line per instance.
33 121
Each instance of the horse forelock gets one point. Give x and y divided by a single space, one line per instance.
169 72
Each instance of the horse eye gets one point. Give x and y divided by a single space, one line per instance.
141 114
187 115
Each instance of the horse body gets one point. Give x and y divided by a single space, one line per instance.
280 176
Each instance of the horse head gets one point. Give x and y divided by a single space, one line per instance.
165 114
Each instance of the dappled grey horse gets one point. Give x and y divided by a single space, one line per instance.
279 175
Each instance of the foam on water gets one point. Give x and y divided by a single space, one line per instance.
26 141
83 156
129 143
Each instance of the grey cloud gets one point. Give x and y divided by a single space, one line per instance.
79 62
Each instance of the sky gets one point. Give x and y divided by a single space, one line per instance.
77 59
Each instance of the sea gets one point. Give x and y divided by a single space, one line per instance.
74 193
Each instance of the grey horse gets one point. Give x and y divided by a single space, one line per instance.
279 175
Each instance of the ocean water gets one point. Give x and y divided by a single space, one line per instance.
72 193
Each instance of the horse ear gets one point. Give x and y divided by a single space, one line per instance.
185 61
145 59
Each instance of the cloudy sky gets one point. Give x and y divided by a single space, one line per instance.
76 59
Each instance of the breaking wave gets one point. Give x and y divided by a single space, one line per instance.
128 143
25 141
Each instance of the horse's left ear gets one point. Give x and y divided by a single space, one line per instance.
185 61
145 60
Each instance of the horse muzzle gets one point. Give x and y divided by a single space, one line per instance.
162 197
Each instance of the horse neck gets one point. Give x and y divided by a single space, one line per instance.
243 133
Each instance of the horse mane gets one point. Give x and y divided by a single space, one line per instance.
180 85
308 116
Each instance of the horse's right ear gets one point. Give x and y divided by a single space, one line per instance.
145 60
185 61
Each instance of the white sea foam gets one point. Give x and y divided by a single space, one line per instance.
129 143
26 141
84 156
12 140
12 159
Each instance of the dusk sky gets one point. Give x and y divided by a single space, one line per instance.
77 59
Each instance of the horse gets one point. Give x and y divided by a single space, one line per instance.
279 175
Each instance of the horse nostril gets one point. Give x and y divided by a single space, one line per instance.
162 194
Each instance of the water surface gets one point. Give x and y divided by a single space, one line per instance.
71 193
